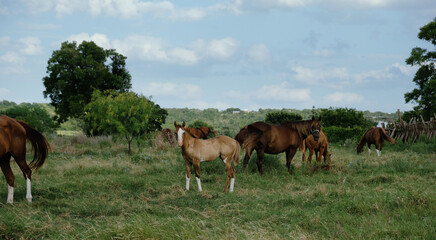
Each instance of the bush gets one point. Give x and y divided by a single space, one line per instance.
282 116
33 114
340 134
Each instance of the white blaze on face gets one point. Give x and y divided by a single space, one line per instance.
179 136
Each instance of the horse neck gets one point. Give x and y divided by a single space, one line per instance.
303 127
188 139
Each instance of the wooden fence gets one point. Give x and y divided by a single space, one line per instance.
412 130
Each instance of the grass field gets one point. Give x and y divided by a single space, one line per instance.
92 189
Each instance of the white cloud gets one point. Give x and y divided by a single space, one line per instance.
259 53
12 63
30 46
344 98
319 76
100 39
282 92
216 48
177 90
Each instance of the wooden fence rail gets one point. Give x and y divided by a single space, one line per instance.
412 130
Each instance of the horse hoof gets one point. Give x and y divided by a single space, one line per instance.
29 200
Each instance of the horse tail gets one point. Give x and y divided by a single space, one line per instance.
248 137
386 137
236 154
39 143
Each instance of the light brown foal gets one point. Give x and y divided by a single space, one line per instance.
195 151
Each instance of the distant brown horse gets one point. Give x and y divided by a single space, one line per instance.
168 136
320 147
376 136
13 135
274 139
196 150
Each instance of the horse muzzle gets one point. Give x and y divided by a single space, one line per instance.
315 135
180 143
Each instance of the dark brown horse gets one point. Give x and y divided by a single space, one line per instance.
376 136
320 147
13 135
196 150
274 139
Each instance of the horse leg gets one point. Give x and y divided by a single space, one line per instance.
188 165
230 175
310 156
289 155
197 174
247 157
260 154
21 161
369 148
9 175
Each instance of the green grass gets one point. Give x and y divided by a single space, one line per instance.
92 189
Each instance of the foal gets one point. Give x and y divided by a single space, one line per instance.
320 147
195 151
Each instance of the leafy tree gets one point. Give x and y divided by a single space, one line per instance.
425 94
282 116
33 114
74 72
125 115
344 117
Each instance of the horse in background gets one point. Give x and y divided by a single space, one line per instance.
376 136
168 136
274 139
320 147
196 150
201 133
13 136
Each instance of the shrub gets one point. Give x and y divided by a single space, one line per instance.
340 134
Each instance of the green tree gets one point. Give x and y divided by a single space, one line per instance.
425 94
345 118
33 114
124 115
278 117
74 72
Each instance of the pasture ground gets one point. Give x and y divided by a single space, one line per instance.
90 188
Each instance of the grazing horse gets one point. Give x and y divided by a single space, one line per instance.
13 135
320 147
376 136
196 150
274 139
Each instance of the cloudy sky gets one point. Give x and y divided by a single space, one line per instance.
235 53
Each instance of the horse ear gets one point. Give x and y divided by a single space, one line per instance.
175 124
183 124
319 118
313 118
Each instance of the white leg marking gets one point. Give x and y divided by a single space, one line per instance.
232 184
199 184
29 190
188 180
378 152
10 195
369 150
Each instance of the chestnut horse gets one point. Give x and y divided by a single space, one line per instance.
274 139
376 136
320 147
13 135
201 132
196 150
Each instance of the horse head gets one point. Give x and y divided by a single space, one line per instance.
180 129
315 128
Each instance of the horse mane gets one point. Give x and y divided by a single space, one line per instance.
302 127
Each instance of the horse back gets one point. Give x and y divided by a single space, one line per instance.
11 134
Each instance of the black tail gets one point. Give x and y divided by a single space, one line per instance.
39 144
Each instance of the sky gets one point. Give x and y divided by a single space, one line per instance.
255 54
